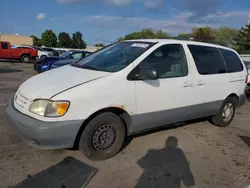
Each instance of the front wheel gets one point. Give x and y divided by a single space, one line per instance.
226 113
25 59
103 137
43 57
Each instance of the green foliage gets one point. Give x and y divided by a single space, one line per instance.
161 34
36 41
225 36
64 40
49 39
242 40
185 36
99 45
77 41
204 34
145 34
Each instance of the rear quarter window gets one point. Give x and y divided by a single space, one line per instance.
4 45
233 62
208 60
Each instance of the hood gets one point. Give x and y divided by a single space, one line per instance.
50 83
52 59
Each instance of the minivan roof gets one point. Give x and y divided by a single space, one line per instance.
165 41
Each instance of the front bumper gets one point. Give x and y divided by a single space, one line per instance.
44 135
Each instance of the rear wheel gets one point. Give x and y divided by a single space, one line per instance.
226 112
25 58
103 137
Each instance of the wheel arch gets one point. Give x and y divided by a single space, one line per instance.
234 95
123 114
26 53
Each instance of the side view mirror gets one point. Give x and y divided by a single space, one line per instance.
147 74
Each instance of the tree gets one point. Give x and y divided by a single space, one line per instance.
145 34
36 41
161 35
49 39
77 41
225 36
99 45
185 36
64 40
204 34
242 40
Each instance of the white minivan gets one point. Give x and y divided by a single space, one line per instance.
126 88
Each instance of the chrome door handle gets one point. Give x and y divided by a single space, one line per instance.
187 84
200 83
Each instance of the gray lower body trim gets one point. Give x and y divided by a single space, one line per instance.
247 91
143 122
242 100
44 135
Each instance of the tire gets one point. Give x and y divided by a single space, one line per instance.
25 58
90 142
43 57
224 117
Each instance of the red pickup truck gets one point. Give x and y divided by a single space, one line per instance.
25 55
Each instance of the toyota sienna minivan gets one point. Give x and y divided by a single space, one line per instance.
126 88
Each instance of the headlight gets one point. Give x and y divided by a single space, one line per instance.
48 108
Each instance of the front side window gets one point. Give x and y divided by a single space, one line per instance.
208 60
169 61
4 45
114 57
232 61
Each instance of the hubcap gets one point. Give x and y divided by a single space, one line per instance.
104 137
227 112
26 59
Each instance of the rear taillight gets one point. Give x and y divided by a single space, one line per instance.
246 80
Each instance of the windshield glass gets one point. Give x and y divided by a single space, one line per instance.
114 57
39 49
64 54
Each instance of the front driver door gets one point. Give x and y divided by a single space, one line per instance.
168 99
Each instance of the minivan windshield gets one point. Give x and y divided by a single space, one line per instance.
115 57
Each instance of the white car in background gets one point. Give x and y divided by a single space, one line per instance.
41 53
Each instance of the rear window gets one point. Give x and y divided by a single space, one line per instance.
232 61
208 60
4 45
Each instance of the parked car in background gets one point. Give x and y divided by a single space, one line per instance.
25 55
43 65
54 52
247 91
126 88
61 63
61 51
41 53
247 63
